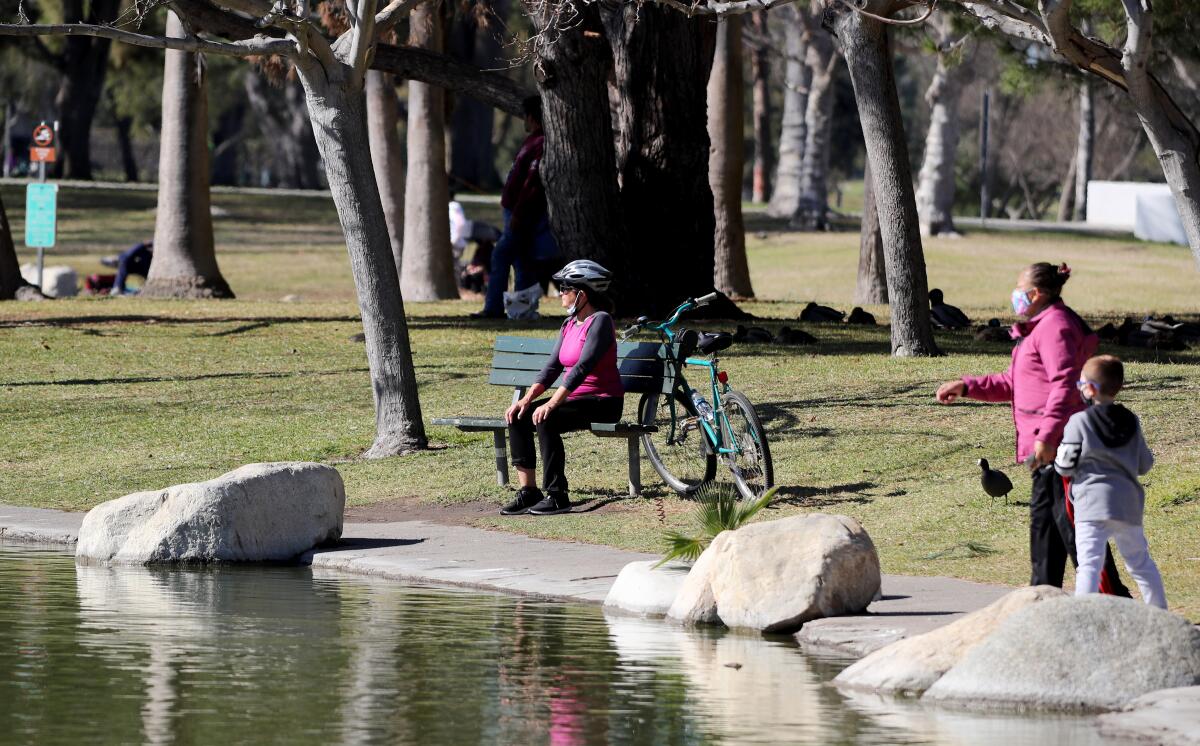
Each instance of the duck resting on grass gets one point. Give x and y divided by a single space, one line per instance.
789 336
944 315
995 483
821 314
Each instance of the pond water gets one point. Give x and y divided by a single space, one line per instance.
288 655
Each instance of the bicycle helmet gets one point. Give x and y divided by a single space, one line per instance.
584 273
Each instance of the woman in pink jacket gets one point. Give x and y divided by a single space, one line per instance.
1053 343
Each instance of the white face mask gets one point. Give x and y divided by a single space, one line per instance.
575 306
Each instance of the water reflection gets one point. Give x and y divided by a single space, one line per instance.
276 654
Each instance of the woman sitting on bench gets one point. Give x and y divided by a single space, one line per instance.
590 392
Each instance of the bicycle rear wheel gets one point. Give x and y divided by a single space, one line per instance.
751 464
679 450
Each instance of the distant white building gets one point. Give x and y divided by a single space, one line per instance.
1147 209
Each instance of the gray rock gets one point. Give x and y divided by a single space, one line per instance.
1087 653
912 665
641 588
255 513
58 281
1169 716
695 603
775 575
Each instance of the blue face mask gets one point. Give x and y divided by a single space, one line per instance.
1020 301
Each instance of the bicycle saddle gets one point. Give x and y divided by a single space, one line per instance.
711 342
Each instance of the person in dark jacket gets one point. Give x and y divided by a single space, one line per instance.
1103 452
526 241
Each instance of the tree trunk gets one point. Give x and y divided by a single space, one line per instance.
726 156
868 54
227 137
427 268
185 264
872 277
283 121
84 64
1066 191
579 165
936 182
10 268
785 196
760 65
387 155
125 142
658 94
1084 148
812 211
472 151
337 109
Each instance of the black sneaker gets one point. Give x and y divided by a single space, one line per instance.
526 498
553 504
488 315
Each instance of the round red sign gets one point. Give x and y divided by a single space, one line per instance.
43 136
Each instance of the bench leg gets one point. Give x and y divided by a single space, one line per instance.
635 468
501 447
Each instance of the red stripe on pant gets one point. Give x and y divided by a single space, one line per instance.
1105 583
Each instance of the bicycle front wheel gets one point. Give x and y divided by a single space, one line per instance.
751 460
679 450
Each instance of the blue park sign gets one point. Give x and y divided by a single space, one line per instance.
41 218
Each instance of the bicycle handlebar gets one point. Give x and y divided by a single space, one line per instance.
684 307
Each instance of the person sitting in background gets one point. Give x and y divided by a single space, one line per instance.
133 261
472 274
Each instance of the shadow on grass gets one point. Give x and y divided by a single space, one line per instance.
821 497
259 321
179 379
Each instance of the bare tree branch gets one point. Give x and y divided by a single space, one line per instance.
363 37
1007 18
392 13
492 88
259 45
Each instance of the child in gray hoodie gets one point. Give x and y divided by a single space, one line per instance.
1104 452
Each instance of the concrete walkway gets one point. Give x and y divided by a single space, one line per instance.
494 560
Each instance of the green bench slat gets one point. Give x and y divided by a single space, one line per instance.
472 424
631 384
600 429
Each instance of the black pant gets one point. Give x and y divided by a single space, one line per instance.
572 414
1052 535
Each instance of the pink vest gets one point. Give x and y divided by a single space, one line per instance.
604 380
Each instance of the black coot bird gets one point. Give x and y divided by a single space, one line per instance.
995 483
859 316
789 336
754 334
821 314
992 332
944 315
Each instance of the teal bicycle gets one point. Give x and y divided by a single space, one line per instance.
694 431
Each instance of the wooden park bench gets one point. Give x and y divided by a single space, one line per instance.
516 362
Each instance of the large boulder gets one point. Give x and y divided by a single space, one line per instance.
775 575
255 513
1089 653
695 603
646 587
1169 716
912 665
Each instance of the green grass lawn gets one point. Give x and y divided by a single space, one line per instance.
102 397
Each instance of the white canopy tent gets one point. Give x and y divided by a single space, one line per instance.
1147 209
